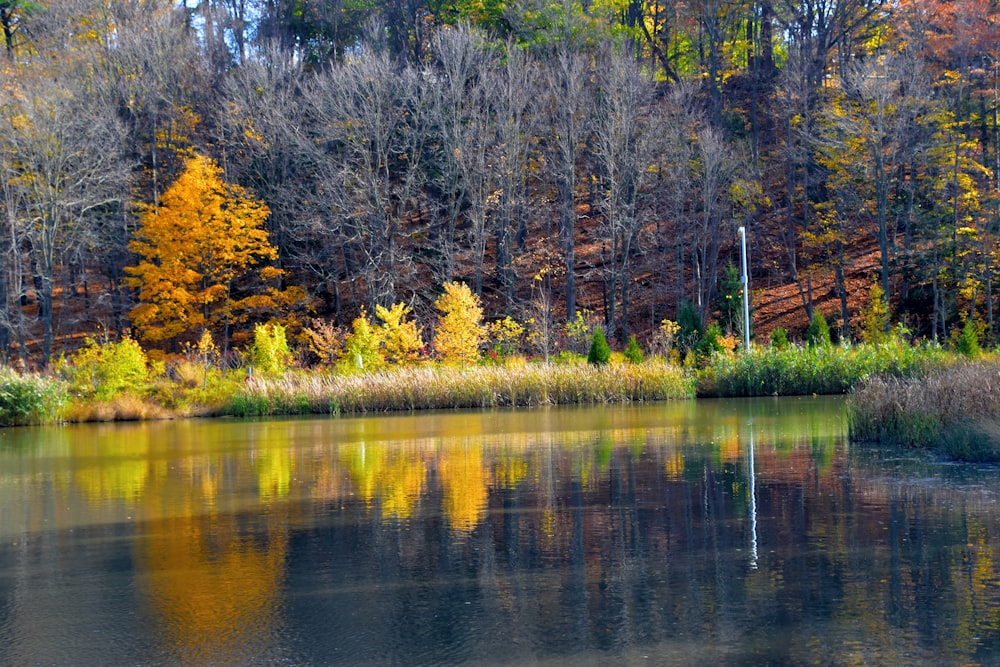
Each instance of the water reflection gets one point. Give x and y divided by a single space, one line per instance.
747 532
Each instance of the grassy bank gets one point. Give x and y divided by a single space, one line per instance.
799 370
432 387
953 409
108 389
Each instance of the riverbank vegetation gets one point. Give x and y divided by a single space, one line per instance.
953 409
384 365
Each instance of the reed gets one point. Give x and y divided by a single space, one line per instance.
827 369
440 387
30 398
954 409
123 407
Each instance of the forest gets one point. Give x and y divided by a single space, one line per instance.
170 168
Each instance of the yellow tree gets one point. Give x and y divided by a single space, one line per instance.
400 337
204 235
460 331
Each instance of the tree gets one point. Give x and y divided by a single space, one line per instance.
623 152
368 117
61 157
600 351
463 92
203 236
399 337
12 14
460 331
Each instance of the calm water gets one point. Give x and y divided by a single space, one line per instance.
739 532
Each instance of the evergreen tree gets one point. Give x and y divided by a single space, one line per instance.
600 352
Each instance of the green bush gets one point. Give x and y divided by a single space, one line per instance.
779 339
689 322
633 353
30 399
818 332
269 353
710 342
600 351
104 370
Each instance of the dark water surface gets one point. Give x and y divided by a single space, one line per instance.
733 532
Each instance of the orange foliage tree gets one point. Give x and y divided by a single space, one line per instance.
203 236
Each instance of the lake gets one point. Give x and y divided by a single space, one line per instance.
744 532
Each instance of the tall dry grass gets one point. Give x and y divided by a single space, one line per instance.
426 388
954 409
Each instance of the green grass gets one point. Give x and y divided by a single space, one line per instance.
439 387
30 398
953 409
797 370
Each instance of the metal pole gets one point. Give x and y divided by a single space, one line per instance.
746 290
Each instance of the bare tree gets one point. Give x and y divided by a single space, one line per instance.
64 154
463 82
515 105
368 113
623 154
714 172
569 104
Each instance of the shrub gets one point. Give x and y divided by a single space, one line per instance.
29 398
663 337
818 331
460 331
505 336
325 341
967 343
689 323
633 353
578 330
711 341
813 370
362 349
399 337
729 300
875 318
600 351
269 353
779 339
105 370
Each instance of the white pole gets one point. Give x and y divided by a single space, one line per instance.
746 290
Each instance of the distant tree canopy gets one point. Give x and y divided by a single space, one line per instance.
611 146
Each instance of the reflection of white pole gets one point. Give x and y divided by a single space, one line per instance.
746 290
753 506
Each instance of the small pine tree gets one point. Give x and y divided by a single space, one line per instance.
690 326
600 351
818 331
968 340
730 300
779 339
710 342
633 353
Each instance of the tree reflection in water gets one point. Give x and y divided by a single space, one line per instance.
606 533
